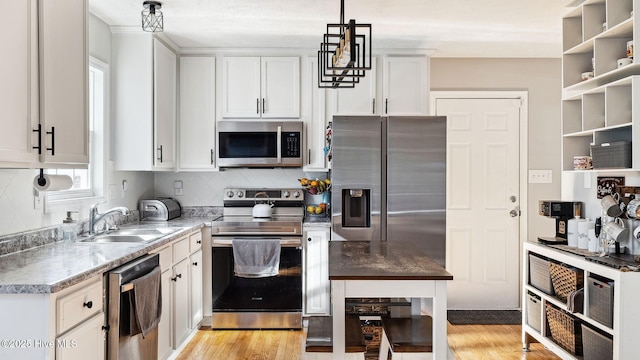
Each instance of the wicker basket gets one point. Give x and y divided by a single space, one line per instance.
565 280
601 300
614 155
596 345
534 311
565 329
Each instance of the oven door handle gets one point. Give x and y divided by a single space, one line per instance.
228 241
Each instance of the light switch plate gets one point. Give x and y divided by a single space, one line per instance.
540 176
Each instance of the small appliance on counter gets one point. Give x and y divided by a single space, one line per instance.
562 211
159 209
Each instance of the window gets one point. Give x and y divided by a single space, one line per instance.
89 183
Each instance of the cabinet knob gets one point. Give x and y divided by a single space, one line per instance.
195 263
308 239
88 304
179 276
199 241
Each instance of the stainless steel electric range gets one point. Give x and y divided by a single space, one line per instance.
271 302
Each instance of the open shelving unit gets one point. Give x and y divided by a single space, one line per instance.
601 109
626 291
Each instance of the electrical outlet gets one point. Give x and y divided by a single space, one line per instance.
540 176
37 200
177 188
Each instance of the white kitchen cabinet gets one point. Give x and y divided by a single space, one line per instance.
144 103
317 289
359 100
261 87
197 119
195 277
626 289
44 89
181 314
85 342
164 106
69 323
405 85
314 115
165 328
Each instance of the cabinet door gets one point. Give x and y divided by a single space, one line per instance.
280 87
164 105
63 81
195 276
197 118
406 85
85 342
19 86
241 87
317 286
314 118
165 333
359 100
181 314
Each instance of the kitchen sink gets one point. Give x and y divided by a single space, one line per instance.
131 235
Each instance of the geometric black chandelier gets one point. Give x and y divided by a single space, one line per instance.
152 16
344 54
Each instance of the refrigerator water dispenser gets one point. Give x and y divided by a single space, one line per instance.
356 208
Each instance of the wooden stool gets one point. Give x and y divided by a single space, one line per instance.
319 342
407 338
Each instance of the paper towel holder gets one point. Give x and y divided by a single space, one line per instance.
41 180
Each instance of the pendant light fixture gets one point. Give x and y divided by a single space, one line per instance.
152 16
344 54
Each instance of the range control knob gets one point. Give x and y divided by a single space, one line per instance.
240 194
285 194
296 194
230 193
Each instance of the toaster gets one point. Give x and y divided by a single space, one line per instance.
159 209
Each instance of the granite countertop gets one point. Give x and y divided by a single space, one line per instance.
55 266
318 221
390 260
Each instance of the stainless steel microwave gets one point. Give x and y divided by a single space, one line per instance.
244 143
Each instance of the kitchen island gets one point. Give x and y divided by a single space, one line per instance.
387 269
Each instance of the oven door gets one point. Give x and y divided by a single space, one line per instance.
259 144
267 302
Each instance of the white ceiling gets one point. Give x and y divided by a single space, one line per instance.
451 28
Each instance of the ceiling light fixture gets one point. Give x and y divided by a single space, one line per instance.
344 54
152 16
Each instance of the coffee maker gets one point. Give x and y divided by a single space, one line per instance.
562 211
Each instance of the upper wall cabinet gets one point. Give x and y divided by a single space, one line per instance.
314 118
405 85
197 120
261 87
360 99
144 103
43 94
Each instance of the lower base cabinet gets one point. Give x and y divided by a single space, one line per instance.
165 335
86 342
317 293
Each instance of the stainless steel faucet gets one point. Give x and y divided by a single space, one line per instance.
95 217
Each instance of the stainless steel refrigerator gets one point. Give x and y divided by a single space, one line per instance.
389 180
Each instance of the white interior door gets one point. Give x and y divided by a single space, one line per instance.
483 201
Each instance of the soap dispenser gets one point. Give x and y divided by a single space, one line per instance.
69 230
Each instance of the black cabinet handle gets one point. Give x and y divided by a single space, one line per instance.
373 106
386 106
53 140
258 106
309 158
88 304
211 156
179 276
160 149
39 131
195 263
263 108
199 241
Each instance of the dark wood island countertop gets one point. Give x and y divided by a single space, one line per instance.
389 260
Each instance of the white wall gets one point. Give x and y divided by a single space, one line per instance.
542 79
16 190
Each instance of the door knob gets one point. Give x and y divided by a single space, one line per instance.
514 213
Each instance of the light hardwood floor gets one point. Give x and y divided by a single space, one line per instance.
468 342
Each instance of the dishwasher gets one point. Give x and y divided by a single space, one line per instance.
119 287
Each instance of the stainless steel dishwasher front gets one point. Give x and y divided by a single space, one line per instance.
120 345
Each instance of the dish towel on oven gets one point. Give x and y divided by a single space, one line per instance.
256 258
145 303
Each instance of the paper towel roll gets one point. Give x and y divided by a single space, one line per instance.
53 182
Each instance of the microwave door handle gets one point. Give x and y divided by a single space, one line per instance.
279 144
